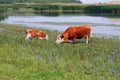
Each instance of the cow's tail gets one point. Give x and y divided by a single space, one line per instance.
90 33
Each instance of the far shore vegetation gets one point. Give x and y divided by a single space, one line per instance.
66 8
113 9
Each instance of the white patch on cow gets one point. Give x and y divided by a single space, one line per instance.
28 36
59 39
70 41
41 38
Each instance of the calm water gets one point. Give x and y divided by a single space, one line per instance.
103 26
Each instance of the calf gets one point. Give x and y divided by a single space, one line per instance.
36 33
73 33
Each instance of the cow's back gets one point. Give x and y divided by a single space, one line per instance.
78 31
33 32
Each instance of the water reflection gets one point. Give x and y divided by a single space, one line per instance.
106 15
58 21
48 13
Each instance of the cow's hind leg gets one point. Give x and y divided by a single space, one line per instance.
90 36
87 39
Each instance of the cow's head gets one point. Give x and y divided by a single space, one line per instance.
60 39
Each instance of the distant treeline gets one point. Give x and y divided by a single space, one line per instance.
67 8
108 8
37 1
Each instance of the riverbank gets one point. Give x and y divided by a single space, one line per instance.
44 60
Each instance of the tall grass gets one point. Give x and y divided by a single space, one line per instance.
44 60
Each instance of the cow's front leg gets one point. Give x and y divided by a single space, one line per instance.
73 40
28 36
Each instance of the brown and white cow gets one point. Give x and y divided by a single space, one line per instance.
36 33
73 33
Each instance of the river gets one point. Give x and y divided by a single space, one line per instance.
104 26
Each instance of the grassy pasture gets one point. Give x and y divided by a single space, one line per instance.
44 60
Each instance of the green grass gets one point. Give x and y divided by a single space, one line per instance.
44 60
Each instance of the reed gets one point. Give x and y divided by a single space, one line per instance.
111 8
3 9
18 6
72 8
101 8
47 8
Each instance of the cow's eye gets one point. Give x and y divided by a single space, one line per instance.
62 36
